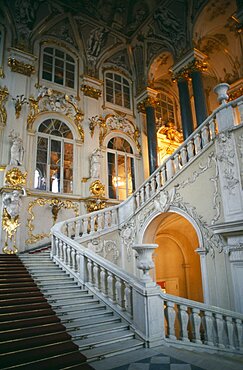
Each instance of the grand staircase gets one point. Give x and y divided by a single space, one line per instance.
95 329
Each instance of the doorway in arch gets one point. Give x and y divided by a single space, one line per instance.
177 264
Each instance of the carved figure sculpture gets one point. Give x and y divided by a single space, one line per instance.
95 164
11 202
17 149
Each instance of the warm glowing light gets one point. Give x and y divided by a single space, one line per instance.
117 181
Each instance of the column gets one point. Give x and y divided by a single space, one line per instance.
152 138
146 104
186 113
199 96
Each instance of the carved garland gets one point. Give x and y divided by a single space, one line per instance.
55 205
53 101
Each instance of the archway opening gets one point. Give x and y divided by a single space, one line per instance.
177 265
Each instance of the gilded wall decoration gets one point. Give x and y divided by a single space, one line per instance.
95 121
55 206
105 248
91 91
95 204
3 98
49 100
20 67
97 188
19 101
10 220
120 123
185 72
15 177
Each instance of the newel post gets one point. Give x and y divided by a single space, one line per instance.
225 117
148 310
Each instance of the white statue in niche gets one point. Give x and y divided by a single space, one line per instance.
95 164
12 203
17 149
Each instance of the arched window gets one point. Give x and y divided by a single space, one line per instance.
117 90
121 172
54 157
58 67
165 109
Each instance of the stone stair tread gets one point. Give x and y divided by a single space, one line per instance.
76 293
112 349
94 331
104 338
85 323
78 315
77 309
75 303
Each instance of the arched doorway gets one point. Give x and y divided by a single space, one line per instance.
177 265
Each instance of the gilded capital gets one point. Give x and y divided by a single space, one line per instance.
149 101
20 67
186 71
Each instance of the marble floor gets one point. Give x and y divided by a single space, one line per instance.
169 358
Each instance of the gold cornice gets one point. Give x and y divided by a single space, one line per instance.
20 67
91 91
186 71
149 101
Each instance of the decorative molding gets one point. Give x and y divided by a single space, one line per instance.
19 101
149 101
186 71
95 204
55 206
15 177
49 100
119 123
97 188
105 248
128 233
96 121
145 213
91 91
20 67
3 98
2 75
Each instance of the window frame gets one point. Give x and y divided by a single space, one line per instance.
173 103
123 78
51 83
48 164
125 155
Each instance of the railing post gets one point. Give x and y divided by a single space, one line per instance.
225 117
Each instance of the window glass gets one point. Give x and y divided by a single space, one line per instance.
58 67
165 111
120 160
117 90
54 157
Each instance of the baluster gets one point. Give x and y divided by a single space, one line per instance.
147 190
85 226
90 271
96 276
103 281
100 221
170 169
238 323
207 321
190 149
153 185
111 287
205 136
62 250
163 173
197 142
107 219
120 299
113 217
196 323
92 224
170 316
68 255
183 320
73 259
158 181
137 199
230 332
176 162
142 195
66 229
212 128
77 229
128 298
220 329
78 263
183 156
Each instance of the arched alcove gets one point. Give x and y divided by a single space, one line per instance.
177 265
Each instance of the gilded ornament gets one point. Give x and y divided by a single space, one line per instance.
2 75
10 224
19 101
93 205
186 71
20 67
148 102
95 121
15 177
91 91
3 98
236 94
55 205
33 111
97 188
